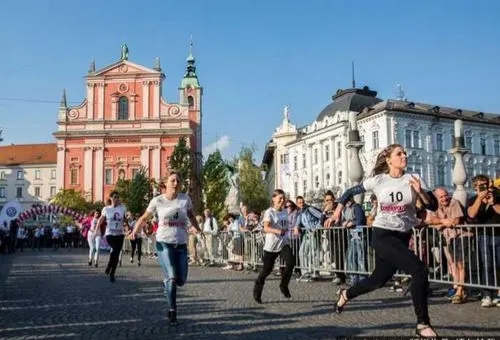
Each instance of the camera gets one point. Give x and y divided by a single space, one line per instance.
483 187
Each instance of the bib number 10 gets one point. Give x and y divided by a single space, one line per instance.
396 196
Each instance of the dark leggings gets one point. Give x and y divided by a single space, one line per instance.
136 244
392 253
269 258
116 244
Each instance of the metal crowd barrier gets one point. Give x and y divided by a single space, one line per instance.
462 255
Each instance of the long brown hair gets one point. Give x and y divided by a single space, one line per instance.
381 166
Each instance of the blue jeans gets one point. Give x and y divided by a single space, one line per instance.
356 255
173 259
309 252
487 245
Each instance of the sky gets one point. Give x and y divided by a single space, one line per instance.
253 57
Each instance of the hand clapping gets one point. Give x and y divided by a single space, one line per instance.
415 184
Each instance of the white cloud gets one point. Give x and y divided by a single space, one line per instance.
221 144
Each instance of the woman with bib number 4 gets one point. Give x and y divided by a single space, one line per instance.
175 213
397 193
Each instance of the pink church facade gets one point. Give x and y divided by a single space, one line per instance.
124 124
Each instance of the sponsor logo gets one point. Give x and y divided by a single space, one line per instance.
11 211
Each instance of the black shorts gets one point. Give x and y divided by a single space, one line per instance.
459 248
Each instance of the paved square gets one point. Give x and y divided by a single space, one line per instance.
56 295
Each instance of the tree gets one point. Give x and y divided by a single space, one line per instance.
253 190
215 183
182 160
71 199
137 192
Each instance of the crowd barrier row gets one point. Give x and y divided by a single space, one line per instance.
462 255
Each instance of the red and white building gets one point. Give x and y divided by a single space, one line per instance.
123 124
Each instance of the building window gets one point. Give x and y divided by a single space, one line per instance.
339 178
2 192
496 147
52 191
123 108
439 142
108 176
295 162
284 158
316 181
327 179
20 175
408 139
339 150
327 153
485 169
468 142
440 180
53 174
190 102
304 186
19 192
304 162
471 171
73 176
416 139
37 191
296 188
362 139
135 171
375 140
315 156
37 174
482 142
2 175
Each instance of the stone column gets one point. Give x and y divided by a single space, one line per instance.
459 172
321 165
353 146
90 101
145 99
114 108
156 99
99 174
61 167
100 103
156 165
310 179
333 174
88 159
145 158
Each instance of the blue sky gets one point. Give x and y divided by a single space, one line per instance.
253 56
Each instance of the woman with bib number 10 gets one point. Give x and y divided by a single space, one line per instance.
397 193
175 215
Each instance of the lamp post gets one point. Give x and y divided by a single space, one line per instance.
353 145
459 172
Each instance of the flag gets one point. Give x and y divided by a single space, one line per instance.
10 211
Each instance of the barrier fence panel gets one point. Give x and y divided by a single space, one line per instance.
463 255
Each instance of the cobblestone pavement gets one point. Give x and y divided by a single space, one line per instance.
56 295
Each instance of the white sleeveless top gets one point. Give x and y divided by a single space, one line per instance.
396 208
114 219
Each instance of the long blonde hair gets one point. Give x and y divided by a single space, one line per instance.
381 166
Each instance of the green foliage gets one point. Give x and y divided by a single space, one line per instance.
71 199
215 184
137 192
252 186
182 160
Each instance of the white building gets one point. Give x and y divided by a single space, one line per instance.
314 158
27 173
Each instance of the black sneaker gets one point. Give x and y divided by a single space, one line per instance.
107 270
139 263
285 291
96 265
257 294
90 263
112 278
172 318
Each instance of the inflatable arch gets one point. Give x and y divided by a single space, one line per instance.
51 208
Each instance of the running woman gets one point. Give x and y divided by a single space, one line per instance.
397 193
277 243
114 215
175 212
94 240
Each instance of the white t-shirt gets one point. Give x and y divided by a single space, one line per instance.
279 220
173 219
94 231
114 219
396 208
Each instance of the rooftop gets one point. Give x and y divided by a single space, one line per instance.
28 154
